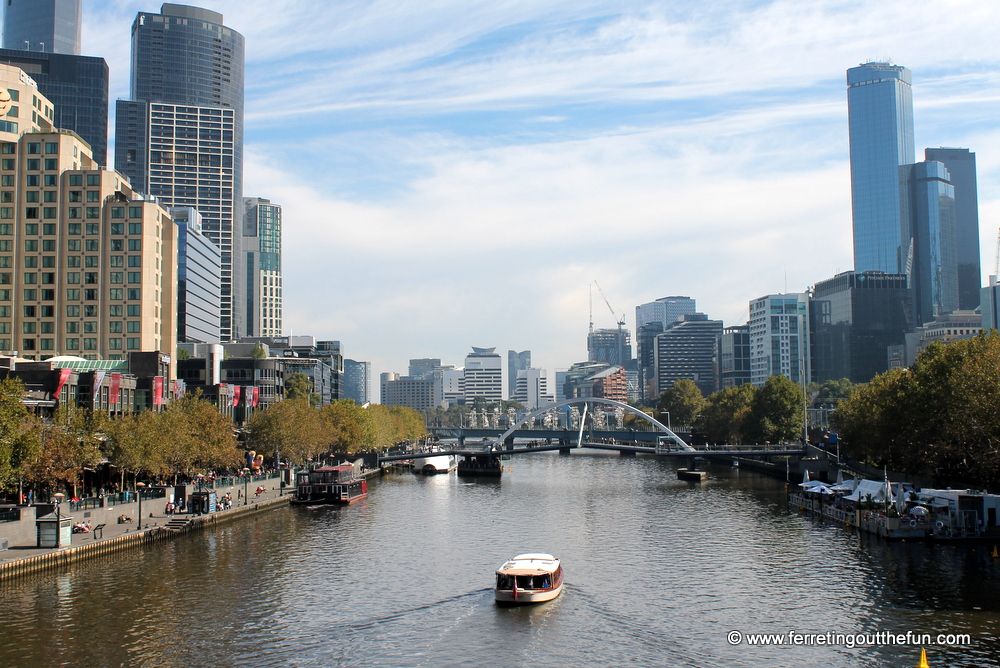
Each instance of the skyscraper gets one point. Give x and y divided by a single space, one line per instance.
779 338
357 376
262 245
199 263
50 26
686 349
516 361
180 137
483 375
880 116
930 208
961 166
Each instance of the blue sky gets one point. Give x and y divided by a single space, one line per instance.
457 173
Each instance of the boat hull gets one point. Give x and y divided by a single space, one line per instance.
505 597
435 465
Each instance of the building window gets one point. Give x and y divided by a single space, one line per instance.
46 344
90 277
73 277
135 212
133 327
117 228
93 212
74 212
115 344
135 277
93 228
117 212
133 343
51 147
90 344
93 196
135 244
73 228
115 327
93 179
117 261
76 180
89 327
116 277
72 344
73 294
90 260
90 294
27 344
135 293
117 294
135 228
73 327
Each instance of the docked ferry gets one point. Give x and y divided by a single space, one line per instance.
436 463
329 484
529 578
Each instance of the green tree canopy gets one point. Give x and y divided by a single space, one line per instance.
300 386
19 432
777 411
683 401
258 352
727 416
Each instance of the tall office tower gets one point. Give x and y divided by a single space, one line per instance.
357 376
880 113
854 319
90 264
930 208
262 245
664 310
989 298
733 355
180 137
961 166
384 379
516 361
686 349
51 26
609 345
645 356
779 338
199 265
483 375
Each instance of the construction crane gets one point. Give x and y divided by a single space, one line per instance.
621 323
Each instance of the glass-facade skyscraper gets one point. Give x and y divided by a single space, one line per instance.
262 244
961 166
930 208
880 116
180 137
50 26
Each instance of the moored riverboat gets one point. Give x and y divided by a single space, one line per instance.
329 484
435 464
486 466
529 578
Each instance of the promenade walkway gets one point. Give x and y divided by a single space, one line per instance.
118 534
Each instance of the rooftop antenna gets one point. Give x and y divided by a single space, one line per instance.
590 290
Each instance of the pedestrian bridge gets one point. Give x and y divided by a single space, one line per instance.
659 440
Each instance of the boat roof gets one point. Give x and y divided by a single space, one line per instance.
342 467
530 564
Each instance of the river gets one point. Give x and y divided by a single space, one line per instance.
658 573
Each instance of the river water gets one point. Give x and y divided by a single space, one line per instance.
658 573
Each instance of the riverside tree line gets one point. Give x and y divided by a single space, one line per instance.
189 436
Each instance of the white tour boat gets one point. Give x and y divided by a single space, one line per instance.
435 464
529 578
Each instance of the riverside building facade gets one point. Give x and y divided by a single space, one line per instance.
87 266
779 338
262 245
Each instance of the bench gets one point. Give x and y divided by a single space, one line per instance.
99 529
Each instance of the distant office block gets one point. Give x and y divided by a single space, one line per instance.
199 265
610 345
961 166
686 349
424 367
779 338
531 388
990 300
357 377
262 248
50 26
733 356
516 361
483 375
855 319
665 310
930 208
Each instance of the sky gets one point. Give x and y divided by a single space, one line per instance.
458 173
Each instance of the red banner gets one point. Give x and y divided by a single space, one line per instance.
157 390
116 384
256 396
236 394
64 375
178 388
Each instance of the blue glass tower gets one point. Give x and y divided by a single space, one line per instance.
880 113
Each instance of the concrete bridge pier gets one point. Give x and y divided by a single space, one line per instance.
627 453
564 451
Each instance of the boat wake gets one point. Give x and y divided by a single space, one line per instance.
372 622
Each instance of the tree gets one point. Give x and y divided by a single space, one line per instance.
300 386
200 436
292 429
683 401
348 427
258 352
183 354
777 411
727 415
19 432
834 389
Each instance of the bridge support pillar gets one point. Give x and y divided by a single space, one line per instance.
627 453
461 440
564 451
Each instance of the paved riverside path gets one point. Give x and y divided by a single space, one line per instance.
158 519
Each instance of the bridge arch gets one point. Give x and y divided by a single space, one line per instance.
597 400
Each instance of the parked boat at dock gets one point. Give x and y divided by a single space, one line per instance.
529 578
435 464
486 466
329 484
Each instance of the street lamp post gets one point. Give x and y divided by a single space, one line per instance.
59 496
246 487
667 413
138 494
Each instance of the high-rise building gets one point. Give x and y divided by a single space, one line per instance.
595 379
854 319
733 356
483 375
180 137
416 393
516 361
262 245
531 388
664 310
42 37
357 377
961 166
424 367
880 113
610 345
199 263
50 26
686 349
929 206
779 338
91 265
989 297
